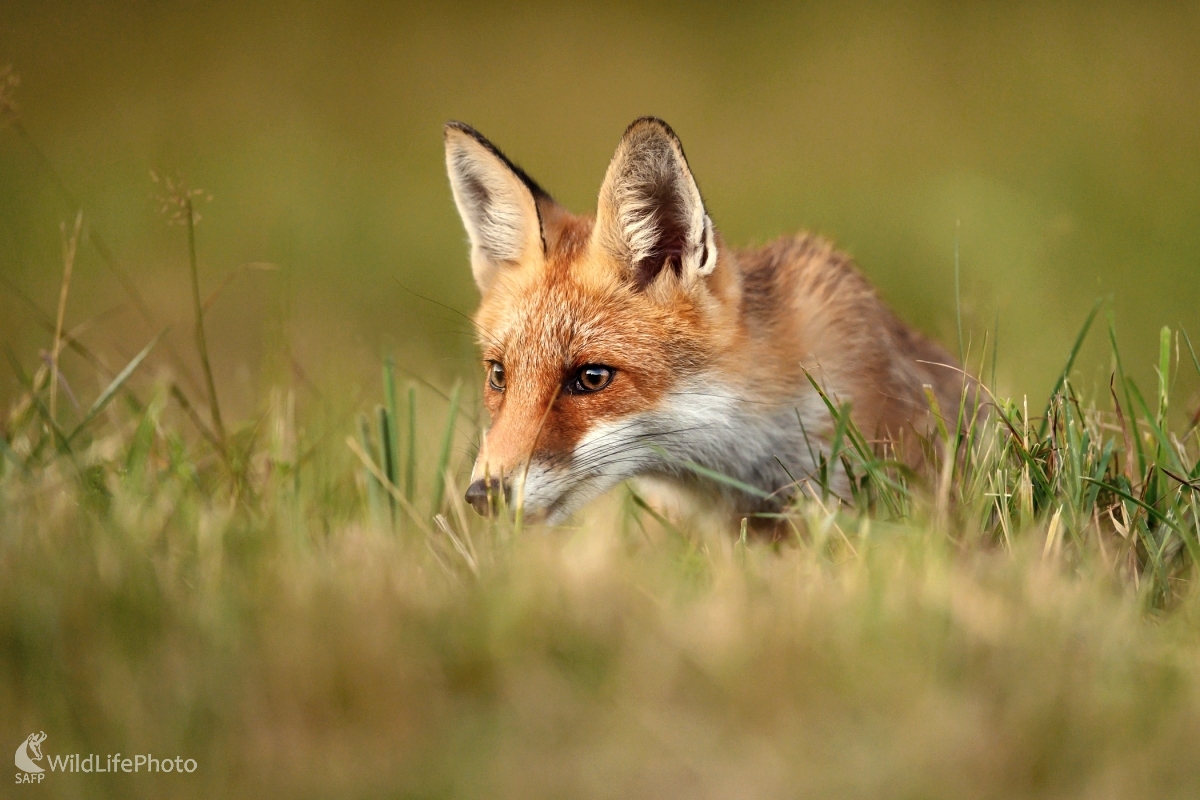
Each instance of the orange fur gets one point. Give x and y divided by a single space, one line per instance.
750 328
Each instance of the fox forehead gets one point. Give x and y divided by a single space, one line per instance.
566 312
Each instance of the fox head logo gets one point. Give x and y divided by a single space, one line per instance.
635 343
30 751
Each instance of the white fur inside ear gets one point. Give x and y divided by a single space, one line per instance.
634 198
497 210
707 256
491 215
654 209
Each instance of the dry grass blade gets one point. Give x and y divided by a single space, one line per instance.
70 246
468 559
70 339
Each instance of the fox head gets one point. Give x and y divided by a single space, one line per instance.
596 332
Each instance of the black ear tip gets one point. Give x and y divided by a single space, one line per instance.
651 124
454 126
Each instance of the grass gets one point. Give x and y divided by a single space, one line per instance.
1024 625
313 614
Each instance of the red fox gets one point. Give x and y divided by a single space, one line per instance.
636 343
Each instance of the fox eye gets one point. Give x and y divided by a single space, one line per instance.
591 378
496 376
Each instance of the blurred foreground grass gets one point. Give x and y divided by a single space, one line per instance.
282 607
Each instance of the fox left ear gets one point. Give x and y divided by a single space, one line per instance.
499 204
650 215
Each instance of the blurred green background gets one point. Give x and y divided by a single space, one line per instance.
1062 139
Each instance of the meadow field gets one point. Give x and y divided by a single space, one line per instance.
239 401
1023 625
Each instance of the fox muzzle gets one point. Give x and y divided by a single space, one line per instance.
484 495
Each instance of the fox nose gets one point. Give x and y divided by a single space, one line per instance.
480 492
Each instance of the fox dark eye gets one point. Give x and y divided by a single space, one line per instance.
496 376
591 378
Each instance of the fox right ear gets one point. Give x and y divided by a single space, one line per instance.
497 201
650 215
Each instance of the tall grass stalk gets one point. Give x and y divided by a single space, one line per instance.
198 308
98 242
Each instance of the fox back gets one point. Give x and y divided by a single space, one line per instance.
636 343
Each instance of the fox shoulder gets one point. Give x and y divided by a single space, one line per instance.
810 299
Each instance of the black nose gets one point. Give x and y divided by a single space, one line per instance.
484 495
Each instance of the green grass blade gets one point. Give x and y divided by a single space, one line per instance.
439 477
114 387
716 476
142 440
1164 372
1133 421
18 369
807 442
835 413
1098 474
936 409
374 487
1192 350
198 312
1164 444
387 452
1142 504
63 443
27 381
410 461
659 518
839 432
393 419
1036 473
1083 332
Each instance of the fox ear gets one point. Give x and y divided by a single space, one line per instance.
650 215
497 201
